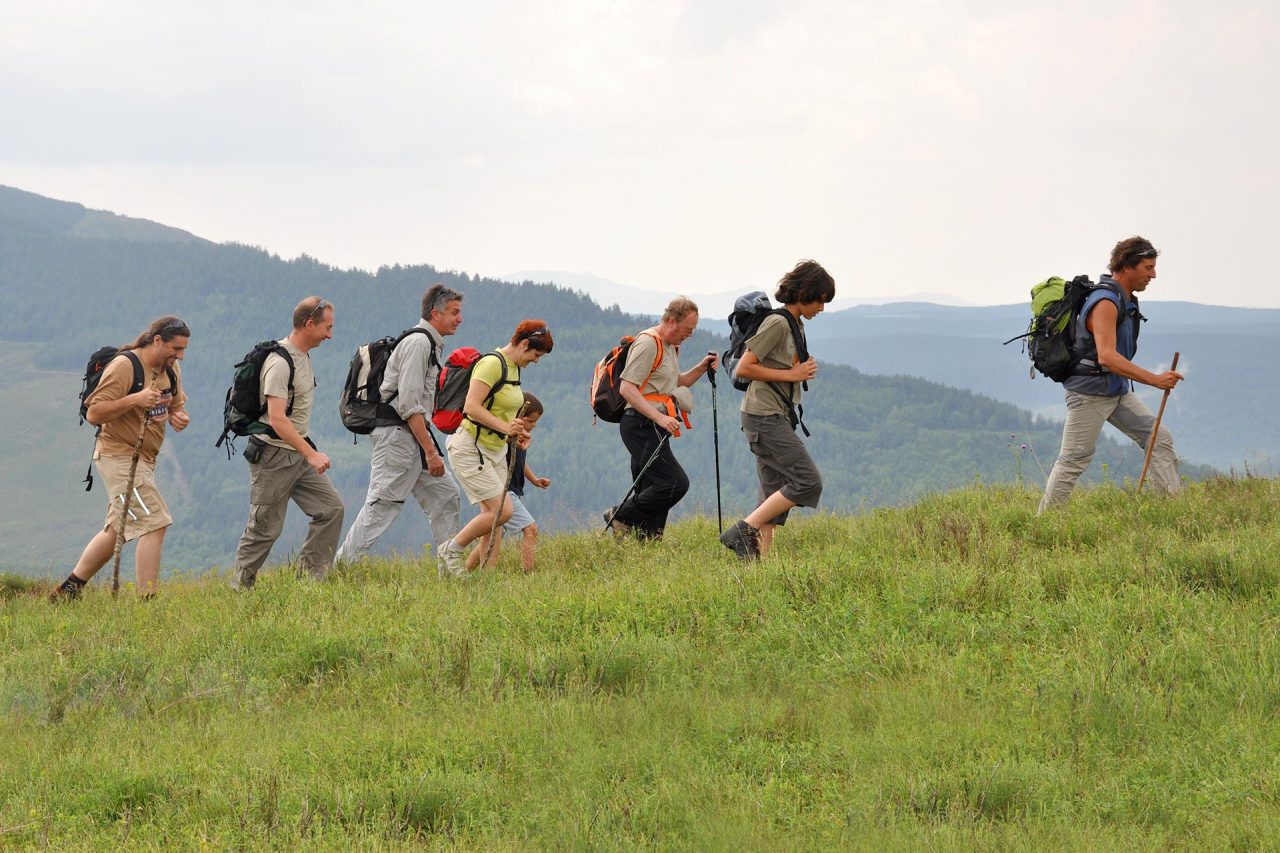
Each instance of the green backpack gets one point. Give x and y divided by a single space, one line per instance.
1055 310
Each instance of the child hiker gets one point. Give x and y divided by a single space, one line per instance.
521 522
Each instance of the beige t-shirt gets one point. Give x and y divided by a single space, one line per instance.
118 437
773 346
640 360
275 383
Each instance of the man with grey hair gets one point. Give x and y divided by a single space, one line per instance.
657 400
406 459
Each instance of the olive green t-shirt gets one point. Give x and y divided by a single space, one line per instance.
773 346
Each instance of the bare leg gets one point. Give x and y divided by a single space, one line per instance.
148 560
773 506
100 549
529 547
482 545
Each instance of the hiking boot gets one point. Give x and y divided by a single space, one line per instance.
613 525
743 540
450 563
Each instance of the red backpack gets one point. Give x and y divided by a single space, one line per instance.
454 382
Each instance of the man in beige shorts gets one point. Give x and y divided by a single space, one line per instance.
283 463
139 392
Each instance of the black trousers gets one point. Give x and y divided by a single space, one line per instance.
663 485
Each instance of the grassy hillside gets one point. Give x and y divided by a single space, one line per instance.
952 675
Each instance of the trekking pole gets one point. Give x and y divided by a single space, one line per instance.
715 433
511 470
1151 442
653 458
128 494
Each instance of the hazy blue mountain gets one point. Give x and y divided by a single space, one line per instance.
1225 414
714 307
879 439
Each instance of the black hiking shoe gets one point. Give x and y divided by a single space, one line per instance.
743 540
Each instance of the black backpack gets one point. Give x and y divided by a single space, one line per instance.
748 313
360 404
243 410
93 376
1055 318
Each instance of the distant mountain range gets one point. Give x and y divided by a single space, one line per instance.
712 306
1226 413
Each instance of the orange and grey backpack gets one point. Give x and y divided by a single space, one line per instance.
607 402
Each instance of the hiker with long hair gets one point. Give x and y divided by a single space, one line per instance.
478 450
1100 390
772 362
657 402
123 412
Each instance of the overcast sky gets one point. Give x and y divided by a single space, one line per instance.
969 147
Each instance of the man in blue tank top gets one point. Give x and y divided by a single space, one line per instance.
1101 390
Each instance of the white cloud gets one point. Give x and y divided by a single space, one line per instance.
966 146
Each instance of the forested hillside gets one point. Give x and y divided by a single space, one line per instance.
879 440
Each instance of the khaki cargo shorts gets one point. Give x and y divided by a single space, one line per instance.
480 482
147 510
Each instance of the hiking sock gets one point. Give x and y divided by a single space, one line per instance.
71 586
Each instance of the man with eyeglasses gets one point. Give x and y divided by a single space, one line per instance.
1101 391
406 460
658 399
285 464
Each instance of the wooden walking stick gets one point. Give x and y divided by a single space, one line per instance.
1151 442
127 497
511 470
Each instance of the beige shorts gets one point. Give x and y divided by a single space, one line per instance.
147 510
480 482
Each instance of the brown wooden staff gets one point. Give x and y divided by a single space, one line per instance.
127 497
511 470
1155 429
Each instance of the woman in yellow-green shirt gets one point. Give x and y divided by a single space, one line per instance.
478 450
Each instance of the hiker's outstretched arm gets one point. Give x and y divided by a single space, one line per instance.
1102 323
695 373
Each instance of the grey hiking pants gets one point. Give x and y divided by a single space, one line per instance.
277 476
1086 413
396 474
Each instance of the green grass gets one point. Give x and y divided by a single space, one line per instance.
953 675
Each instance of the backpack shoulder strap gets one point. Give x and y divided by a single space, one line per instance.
657 361
139 377
278 348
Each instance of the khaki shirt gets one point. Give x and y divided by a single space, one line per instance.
275 383
119 436
640 358
773 346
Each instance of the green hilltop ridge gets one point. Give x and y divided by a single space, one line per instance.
880 440
954 674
